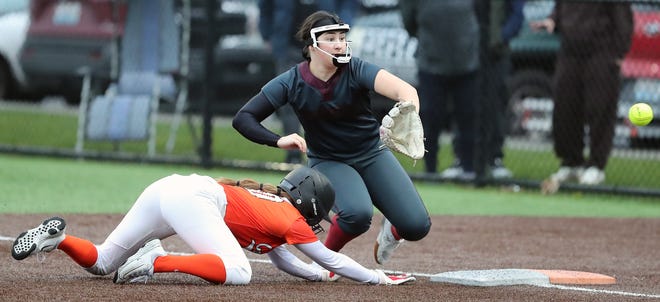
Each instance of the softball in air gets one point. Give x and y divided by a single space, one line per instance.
640 114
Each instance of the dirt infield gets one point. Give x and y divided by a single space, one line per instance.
627 249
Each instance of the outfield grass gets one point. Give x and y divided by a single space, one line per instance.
45 185
25 127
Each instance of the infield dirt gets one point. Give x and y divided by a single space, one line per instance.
627 249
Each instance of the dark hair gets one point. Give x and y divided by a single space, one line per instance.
316 19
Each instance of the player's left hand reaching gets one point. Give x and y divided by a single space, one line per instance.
328 276
395 279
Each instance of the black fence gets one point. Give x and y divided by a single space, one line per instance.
378 35
529 153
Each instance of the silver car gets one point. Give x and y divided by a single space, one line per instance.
14 22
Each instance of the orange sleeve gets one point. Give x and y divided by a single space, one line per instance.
300 232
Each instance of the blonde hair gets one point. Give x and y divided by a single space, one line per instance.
252 184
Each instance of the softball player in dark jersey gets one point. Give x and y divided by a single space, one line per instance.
329 91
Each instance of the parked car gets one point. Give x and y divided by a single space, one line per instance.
242 62
533 56
14 20
68 39
533 61
380 38
641 71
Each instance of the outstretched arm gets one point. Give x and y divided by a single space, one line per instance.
347 267
289 263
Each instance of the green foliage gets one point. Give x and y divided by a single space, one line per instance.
27 127
24 128
44 185
447 199
44 129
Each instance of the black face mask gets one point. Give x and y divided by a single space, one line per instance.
336 62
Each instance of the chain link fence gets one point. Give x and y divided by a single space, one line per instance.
529 150
379 37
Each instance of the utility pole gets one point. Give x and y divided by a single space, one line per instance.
207 113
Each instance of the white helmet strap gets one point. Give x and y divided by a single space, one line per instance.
324 28
332 27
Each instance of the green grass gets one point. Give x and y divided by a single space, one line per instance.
45 185
27 128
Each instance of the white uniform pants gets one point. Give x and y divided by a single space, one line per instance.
191 206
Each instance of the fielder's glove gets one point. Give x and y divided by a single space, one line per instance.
386 279
401 130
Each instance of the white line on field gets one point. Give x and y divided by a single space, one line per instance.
268 261
602 291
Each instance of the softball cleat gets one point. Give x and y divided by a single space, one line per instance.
139 268
43 238
385 242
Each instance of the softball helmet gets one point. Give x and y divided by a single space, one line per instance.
311 193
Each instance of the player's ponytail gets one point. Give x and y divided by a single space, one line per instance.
253 185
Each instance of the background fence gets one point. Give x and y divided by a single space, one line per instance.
48 126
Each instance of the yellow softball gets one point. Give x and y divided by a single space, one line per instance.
640 114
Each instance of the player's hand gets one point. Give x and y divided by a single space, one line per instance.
545 24
328 276
292 142
386 279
